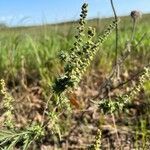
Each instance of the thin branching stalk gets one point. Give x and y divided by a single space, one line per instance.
116 41
133 30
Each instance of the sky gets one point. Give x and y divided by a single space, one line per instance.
35 12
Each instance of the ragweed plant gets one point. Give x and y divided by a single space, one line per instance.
54 123
97 142
110 106
7 104
82 53
75 65
9 138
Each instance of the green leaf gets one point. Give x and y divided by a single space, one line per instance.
6 135
5 141
13 143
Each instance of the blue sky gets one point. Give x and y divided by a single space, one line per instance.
30 12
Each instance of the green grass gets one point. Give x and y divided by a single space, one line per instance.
39 45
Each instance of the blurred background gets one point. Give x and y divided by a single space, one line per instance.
35 12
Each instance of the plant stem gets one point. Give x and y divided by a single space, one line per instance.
116 41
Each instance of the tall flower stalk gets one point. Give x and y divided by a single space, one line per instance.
82 53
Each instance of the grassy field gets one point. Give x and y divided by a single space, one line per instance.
29 64
39 46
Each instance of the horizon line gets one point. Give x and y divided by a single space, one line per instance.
63 22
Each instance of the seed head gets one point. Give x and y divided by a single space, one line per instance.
135 15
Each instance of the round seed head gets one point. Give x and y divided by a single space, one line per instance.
135 14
